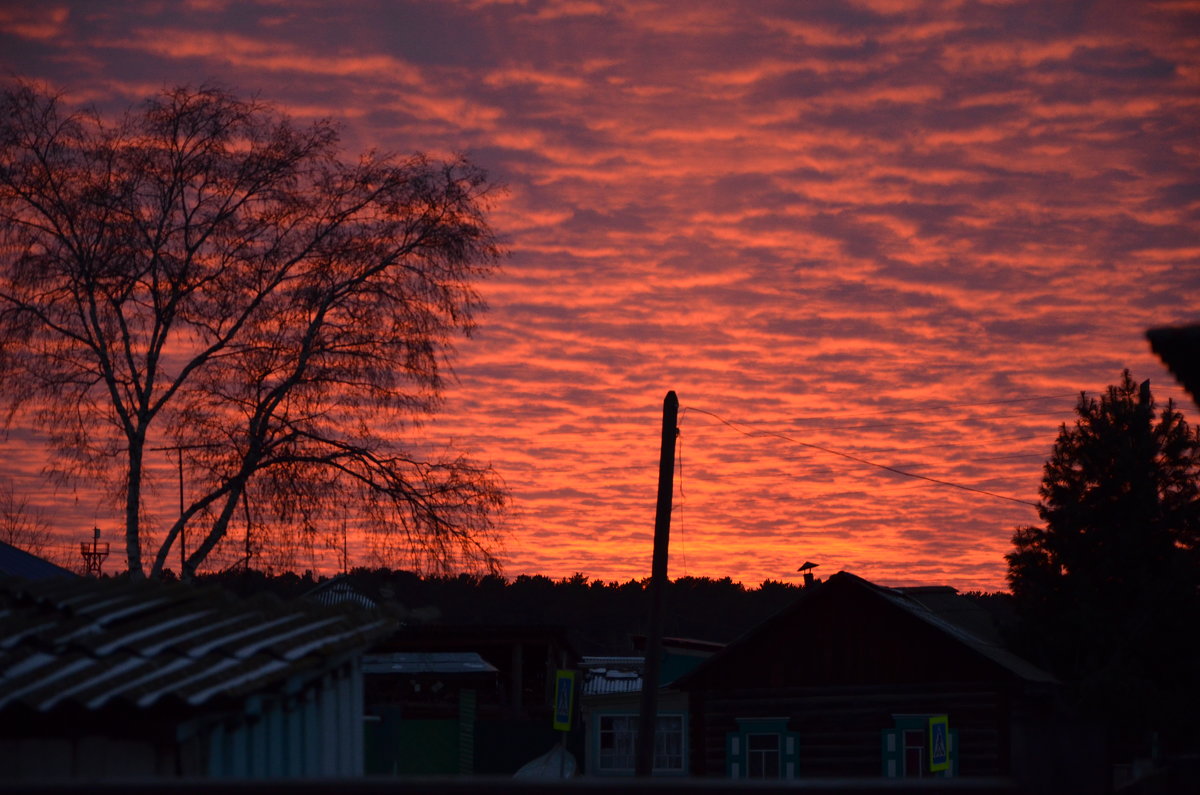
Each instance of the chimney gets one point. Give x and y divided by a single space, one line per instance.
809 580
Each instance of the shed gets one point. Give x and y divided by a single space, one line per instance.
107 678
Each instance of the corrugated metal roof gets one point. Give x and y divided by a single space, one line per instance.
604 676
338 590
101 643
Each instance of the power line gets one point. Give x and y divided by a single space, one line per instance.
939 406
918 423
860 460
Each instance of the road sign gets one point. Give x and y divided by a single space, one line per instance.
564 699
939 743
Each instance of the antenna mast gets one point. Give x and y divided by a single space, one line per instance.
93 554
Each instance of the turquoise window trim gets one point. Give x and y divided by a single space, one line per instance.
737 747
594 742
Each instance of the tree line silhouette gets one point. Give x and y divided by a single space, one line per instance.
600 617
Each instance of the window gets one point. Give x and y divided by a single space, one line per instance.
906 747
761 748
762 756
618 743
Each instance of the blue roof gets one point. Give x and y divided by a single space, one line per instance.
16 562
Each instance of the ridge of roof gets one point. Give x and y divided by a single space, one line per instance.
16 562
987 648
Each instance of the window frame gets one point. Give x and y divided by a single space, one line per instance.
738 752
661 743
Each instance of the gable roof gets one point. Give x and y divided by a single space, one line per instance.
940 609
1179 349
339 589
16 562
115 644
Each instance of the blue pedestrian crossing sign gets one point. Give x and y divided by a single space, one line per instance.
564 699
939 743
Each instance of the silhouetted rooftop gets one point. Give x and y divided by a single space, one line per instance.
17 562
1179 349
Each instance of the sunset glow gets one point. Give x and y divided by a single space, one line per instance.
907 232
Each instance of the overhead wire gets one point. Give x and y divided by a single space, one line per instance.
859 459
872 426
679 461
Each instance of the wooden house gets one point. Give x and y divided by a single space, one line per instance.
611 700
858 680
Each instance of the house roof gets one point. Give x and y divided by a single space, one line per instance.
337 590
17 562
411 663
116 644
951 616
1179 349
940 608
603 676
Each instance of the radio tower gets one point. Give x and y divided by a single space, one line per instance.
93 554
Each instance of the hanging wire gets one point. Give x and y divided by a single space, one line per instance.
679 460
940 482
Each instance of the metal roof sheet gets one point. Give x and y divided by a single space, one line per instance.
604 676
100 643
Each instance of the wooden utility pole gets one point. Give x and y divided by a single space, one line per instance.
644 760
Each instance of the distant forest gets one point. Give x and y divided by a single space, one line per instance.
600 617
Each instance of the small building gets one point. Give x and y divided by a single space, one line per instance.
110 678
422 710
611 702
856 680
461 718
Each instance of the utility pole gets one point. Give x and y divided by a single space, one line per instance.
178 450
648 719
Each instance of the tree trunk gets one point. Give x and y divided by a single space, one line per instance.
220 526
133 496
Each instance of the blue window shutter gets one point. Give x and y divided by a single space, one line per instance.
891 753
735 755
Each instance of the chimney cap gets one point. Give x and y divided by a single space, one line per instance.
808 564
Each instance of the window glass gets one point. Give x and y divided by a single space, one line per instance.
762 756
618 743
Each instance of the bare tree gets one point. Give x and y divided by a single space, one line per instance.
206 276
22 525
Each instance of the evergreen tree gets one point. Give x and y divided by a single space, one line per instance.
1107 587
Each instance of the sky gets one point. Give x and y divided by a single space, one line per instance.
853 237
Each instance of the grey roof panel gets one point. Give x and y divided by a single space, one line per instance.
97 644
